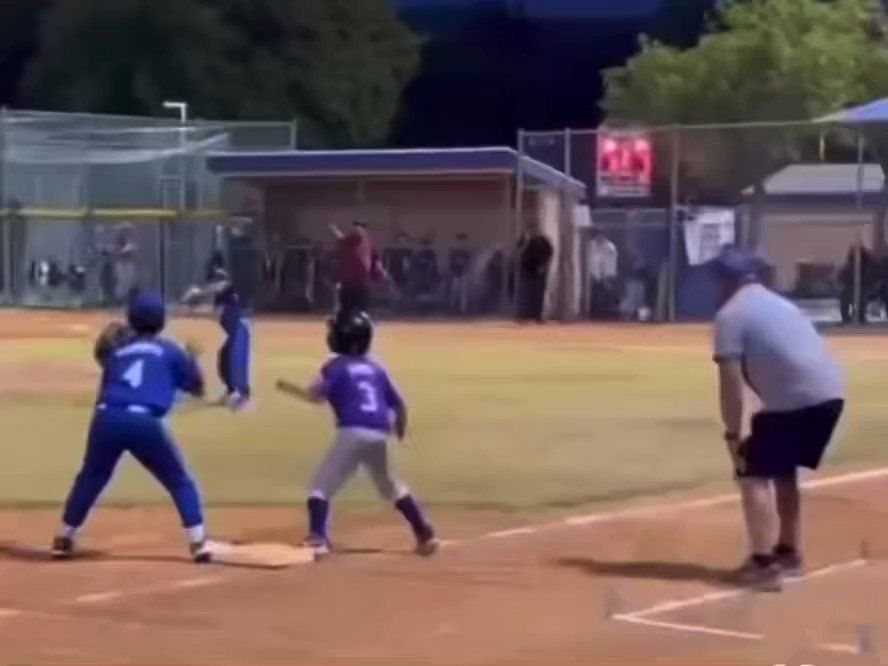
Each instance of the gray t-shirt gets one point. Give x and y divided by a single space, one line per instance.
785 361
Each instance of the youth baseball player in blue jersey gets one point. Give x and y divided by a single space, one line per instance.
367 407
234 355
138 388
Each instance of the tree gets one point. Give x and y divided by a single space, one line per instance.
127 56
764 60
19 41
338 66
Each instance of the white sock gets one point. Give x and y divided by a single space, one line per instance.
196 534
67 531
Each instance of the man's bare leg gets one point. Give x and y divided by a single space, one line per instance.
758 511
760 571
789 502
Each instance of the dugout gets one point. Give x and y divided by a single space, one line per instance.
432 200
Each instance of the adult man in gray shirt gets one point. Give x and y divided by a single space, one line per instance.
764 341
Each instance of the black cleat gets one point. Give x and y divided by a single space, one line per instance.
201 552
62 548
760 577
790 561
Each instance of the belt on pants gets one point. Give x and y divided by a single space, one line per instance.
133 409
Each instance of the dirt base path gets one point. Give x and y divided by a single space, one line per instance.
501 592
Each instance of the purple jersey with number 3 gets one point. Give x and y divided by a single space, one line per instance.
360 392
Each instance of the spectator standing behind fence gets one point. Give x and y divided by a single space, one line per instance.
535 253
426 277
851 311
358 267
398 260
460 261
634 300
125 269
601 275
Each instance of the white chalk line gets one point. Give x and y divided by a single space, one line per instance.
713 597
114 595
841 648
653 510
643 616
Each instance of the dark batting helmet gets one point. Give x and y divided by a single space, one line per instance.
227 295
350 333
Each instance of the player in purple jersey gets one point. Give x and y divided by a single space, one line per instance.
368 408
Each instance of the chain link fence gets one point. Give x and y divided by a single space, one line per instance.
808 197
94 206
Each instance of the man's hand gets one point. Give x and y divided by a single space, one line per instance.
736 450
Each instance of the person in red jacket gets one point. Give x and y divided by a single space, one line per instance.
358 267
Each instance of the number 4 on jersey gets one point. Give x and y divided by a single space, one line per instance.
133 374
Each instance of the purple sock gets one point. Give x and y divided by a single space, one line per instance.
409 508
318 510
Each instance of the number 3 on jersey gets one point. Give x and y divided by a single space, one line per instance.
370 402
133 374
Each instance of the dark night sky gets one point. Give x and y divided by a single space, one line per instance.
579 8
492 66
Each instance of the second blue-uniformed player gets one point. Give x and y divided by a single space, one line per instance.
138 388
234 354
367 407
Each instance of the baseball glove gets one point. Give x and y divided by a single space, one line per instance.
114 336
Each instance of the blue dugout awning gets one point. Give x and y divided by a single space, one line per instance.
872 112
391 162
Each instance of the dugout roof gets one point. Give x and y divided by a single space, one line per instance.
392 162
871 112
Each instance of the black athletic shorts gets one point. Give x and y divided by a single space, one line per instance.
781 442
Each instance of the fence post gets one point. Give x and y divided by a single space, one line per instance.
672 273
858 306
294 134
860 147
517 226
5 207
568 151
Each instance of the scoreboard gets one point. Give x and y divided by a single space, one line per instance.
625 164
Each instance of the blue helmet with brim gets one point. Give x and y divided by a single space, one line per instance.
146 313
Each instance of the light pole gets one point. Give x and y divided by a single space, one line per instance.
182 108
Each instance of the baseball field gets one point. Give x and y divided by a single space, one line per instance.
576 474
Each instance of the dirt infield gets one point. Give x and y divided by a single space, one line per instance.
499 593
637 582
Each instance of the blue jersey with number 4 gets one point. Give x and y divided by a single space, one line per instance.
360 392
148 373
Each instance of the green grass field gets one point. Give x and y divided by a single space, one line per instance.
524 419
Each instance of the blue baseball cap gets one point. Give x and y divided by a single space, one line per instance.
735 264
146 312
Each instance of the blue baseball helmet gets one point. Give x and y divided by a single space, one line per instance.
733 264
146 313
